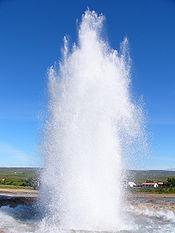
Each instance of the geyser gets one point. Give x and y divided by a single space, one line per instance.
92 118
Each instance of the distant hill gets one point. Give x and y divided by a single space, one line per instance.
23 172
156 175
19 169
132 175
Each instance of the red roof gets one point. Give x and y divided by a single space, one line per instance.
151 184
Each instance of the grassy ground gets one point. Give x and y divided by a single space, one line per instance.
14 187
18 178
163 190
157 176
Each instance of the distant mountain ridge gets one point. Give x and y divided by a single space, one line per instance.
132 175
156 175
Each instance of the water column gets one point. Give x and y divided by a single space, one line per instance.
91 118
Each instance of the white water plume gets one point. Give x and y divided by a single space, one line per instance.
91 119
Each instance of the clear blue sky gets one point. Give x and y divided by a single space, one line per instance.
31 34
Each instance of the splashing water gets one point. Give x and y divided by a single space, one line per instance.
92 118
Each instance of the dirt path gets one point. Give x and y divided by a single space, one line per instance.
19 192
153 195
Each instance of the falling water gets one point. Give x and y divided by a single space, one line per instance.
92 118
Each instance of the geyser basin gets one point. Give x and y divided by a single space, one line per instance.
92 118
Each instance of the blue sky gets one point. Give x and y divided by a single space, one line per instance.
31 35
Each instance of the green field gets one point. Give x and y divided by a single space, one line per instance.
155 190
140 176
19 177
28 178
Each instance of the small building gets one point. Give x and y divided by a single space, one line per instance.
132 184
160 184
150 184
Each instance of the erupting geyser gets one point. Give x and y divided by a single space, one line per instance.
91 119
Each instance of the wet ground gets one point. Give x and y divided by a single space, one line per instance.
142 214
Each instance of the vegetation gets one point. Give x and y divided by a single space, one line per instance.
28 178
19 178
168 187
170 183
141 176
161 190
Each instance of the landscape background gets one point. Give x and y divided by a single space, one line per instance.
28 178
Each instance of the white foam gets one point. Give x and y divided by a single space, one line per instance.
141 220
165 214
